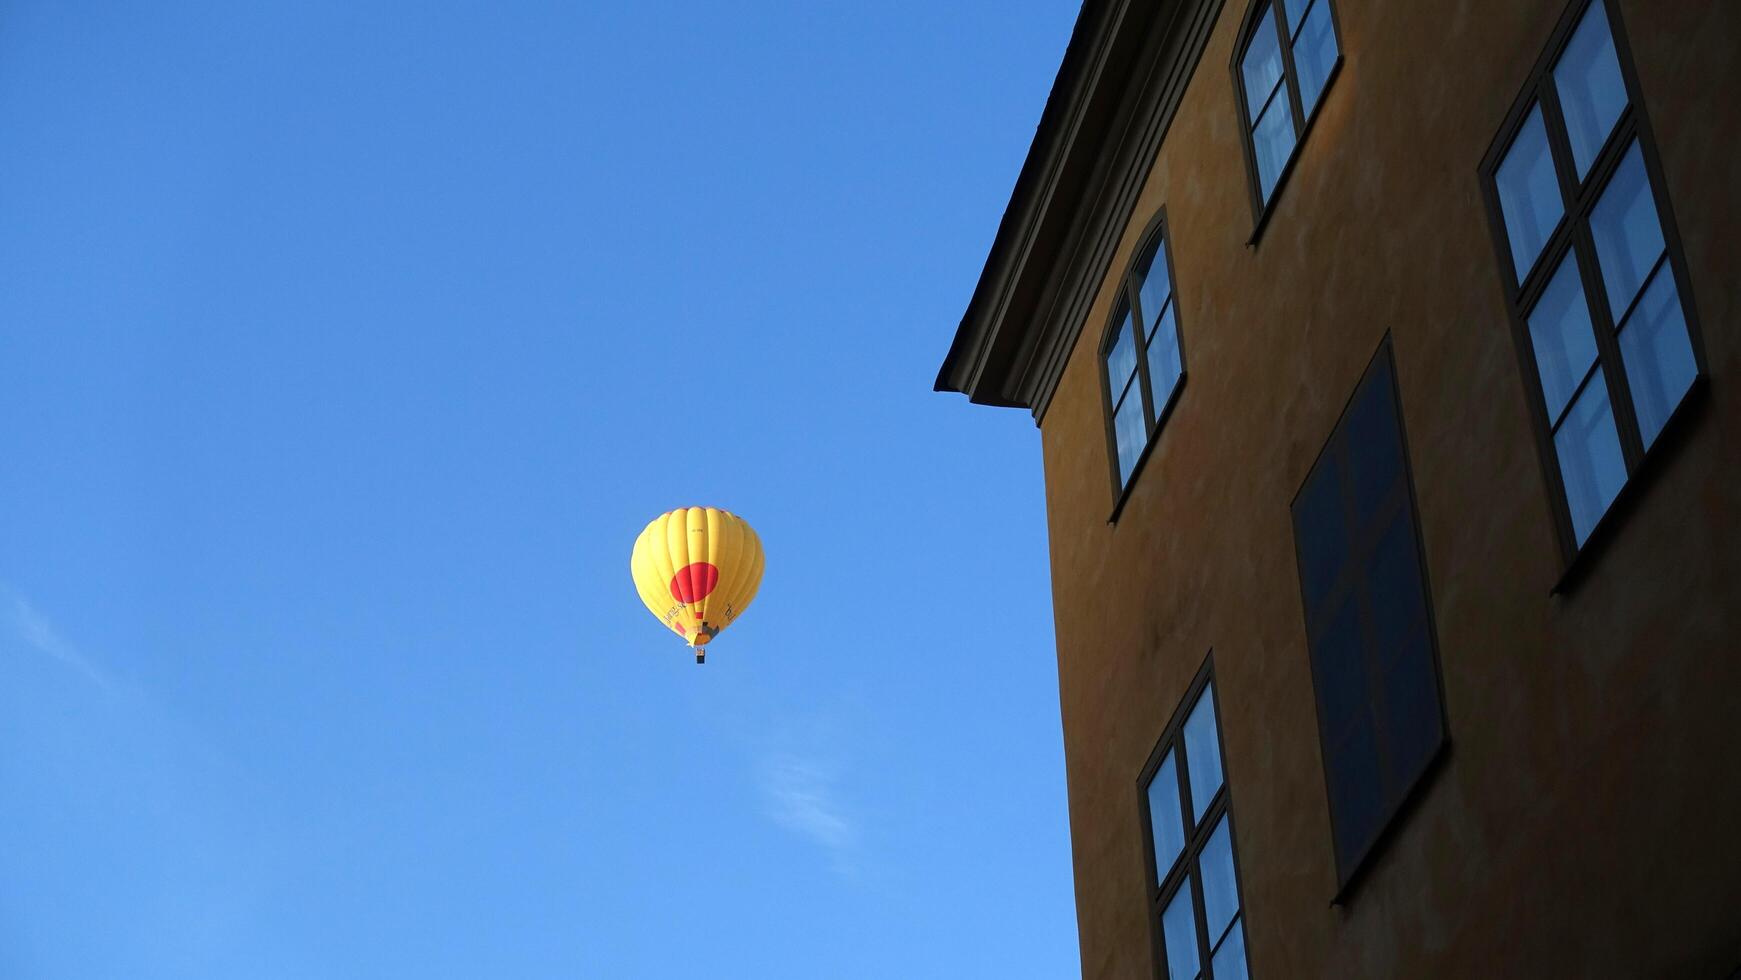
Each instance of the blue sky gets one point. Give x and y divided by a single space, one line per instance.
346 348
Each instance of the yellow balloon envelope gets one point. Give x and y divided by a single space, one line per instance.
696 569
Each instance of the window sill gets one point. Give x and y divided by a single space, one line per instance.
1136 471
1268 207
1681 422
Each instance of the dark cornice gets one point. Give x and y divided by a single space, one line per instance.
1121 79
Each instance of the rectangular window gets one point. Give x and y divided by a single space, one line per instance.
1286 55
1142 366
1591 267
1193 880
1368 618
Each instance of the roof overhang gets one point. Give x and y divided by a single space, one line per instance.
1121 79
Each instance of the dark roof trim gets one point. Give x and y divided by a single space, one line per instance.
1120 82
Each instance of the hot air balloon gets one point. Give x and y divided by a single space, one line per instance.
696 568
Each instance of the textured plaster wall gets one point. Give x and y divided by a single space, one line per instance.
1587 819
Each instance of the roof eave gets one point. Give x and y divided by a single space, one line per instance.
985 336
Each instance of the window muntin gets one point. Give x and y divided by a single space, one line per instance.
1142 364
1288 51
1195 880
1596 287
1368 618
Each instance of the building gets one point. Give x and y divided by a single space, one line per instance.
1386 360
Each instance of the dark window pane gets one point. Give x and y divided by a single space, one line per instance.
1658 354
1591 465
1339 666
1371 432
1262 65
1315 54
1229 961
1529 195
1564 340
1130 430
1321 528
1273 139
1411 705
1396 596
1627 233
1166 817
1591 92
1164 363
1179 931
1356 797
1156 286
1220 887
1375 626
1202 753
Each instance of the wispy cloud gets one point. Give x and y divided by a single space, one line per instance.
34 629
801 796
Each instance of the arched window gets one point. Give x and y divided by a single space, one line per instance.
1142 363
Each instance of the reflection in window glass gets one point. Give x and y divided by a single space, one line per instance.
1220 890
1203 887
1564 340
1529 196
1415 727
1591 464
1157 286
1202 754
1372 460
1315 54
1262 66
1322 539
1658 354
1166 817
1229 961
1179 931
1339 666
1297 11
1368 629
1273 140
1141 356
1592 94
1129 430
1165 367
1121 362
1615 310
1289 51
1397 596
1627 233
1356 795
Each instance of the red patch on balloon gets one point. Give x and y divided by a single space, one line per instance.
694 582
